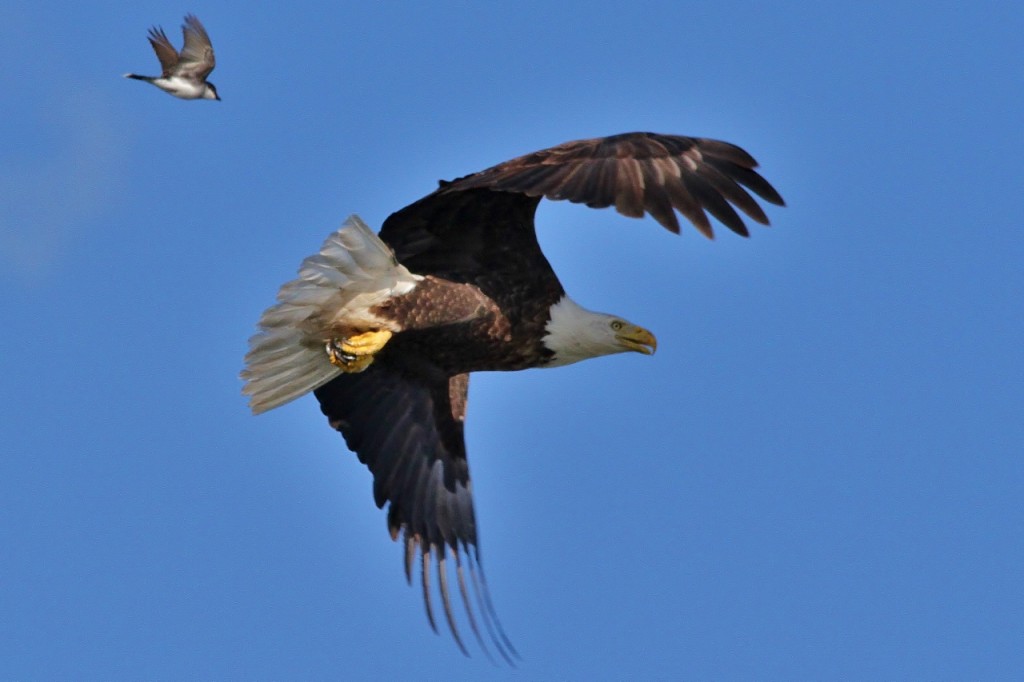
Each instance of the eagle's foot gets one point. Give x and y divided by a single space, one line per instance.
355 353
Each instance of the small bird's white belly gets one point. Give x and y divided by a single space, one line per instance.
181 87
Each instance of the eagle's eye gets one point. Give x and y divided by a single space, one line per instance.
616 325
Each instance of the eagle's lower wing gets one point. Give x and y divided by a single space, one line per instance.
405 423
638 173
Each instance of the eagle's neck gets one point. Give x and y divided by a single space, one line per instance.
575 333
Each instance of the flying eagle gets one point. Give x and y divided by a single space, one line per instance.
386 329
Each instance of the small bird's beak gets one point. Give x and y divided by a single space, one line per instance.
637 339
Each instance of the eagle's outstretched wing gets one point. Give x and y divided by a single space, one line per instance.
638 173
480 227
404 420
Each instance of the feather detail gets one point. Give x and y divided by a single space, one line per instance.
335 290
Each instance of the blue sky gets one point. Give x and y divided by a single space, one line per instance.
819 474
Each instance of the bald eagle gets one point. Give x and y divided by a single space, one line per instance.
385 330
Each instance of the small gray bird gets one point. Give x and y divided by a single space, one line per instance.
184 74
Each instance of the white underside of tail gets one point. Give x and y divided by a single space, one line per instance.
336 289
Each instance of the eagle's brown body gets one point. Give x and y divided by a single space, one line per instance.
462 329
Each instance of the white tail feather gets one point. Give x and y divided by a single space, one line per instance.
336 288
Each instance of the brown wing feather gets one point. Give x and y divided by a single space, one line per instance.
638 173
479 229
197 58
404 419
165 52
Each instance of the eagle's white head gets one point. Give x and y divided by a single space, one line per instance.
575 333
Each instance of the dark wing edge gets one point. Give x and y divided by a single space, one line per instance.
406 425
640 173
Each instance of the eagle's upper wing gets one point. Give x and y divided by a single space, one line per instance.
480 228
197 55
404 420
165 52
638 172
479 237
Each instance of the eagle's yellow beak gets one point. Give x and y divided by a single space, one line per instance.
637 339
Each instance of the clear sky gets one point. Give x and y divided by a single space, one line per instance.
819 475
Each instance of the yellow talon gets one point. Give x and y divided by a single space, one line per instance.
355 353
353 366
366 343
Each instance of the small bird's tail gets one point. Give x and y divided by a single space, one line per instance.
353 272
148 79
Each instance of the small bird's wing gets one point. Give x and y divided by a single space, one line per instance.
197 58
165 52
404 419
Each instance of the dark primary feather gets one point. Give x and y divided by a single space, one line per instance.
637 173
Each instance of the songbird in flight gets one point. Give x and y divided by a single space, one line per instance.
184 73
